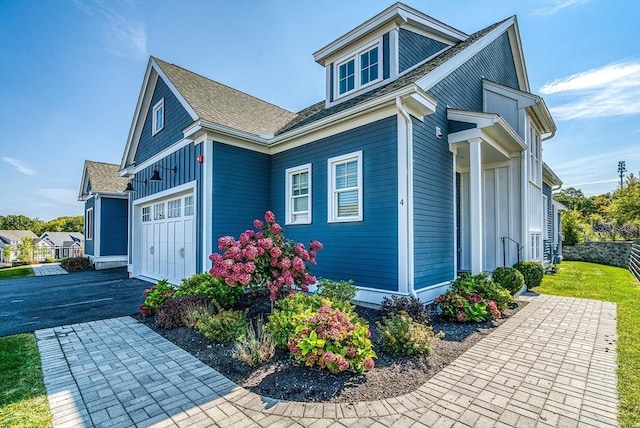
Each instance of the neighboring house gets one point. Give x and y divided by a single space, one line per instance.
105 214
552 217
12 238
423 160
59 245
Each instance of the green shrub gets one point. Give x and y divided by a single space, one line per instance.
485 287
255 346
73 264
532 273
337 291
292 311
223 327
329 339
412 306
463 307
179 311
155 297
509 278
402 335
214 288
49 260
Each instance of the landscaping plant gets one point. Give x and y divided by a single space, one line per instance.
485 287
155 297
329 339
264 257
474 298
532 273
402 335
410 305
224 327
337 291
73 264
214 288
255 346
509 278
178 311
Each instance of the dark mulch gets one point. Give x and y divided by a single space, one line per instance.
285 379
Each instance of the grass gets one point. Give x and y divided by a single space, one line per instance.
611 284
23 402
16 272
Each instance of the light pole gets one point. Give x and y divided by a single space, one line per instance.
621 170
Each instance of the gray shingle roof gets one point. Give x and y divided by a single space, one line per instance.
220 104
318 111
104 177
17 235
63 239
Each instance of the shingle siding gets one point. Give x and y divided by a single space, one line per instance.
414 48
176 118
113 227
365 251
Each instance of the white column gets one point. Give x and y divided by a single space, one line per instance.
475 197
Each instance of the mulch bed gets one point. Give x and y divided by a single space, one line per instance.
285 379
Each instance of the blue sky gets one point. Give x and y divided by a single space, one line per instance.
71 71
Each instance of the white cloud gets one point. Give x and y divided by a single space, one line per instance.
120 34
611 90
20 166
554 6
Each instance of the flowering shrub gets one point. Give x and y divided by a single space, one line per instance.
293 310
214 288
328 339
485 287
155 297
474 299
265 257
412 306
402 335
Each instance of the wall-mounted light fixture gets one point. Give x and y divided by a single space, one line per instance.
130 188
156 174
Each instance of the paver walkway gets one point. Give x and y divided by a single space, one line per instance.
48 269
551 364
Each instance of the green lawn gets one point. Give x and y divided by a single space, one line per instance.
23 402
611 284
16 272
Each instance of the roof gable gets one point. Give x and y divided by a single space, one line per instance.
17 235
101 177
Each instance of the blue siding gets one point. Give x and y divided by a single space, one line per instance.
241 183
88 243
176 118
113 227
548 243
414 48
365 251
386 57
432 206
433 162
188 170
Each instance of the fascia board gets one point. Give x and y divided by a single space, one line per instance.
518 55
136 115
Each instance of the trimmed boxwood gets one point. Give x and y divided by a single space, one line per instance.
532 273
509 278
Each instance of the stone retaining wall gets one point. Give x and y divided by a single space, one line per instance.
613 253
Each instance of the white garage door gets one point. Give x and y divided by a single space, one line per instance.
168 244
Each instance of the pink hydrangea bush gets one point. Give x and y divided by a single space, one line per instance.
328 339
265 257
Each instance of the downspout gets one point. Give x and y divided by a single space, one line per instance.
409 191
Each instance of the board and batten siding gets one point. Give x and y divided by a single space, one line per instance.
176 118
88 243
113 227
364 251
241 189
414 48
548 242
188 170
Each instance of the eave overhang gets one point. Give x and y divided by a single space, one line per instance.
549 176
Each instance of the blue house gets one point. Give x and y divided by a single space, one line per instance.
423 160
106 215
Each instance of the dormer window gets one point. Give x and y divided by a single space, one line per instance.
158 116
358 69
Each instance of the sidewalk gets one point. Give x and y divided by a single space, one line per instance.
48 269
553 364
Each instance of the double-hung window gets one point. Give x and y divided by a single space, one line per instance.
345 188
298 195
358 69
88 233
535 156
536 248
158 117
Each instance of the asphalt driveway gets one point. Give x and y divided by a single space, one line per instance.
28 304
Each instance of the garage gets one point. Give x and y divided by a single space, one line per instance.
167 238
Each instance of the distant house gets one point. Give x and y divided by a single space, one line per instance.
423 160
12 238
59 245
105 214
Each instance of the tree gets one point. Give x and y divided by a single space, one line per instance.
7 253
571 227
18 222
25 249
625 206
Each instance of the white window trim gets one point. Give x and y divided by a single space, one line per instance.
288 206
535 157
332 203
89 230
536 250
355 55
159 105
